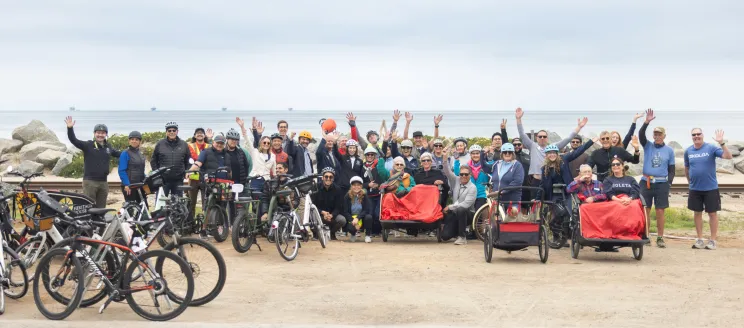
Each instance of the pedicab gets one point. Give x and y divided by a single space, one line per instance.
608 226
417 212
509 229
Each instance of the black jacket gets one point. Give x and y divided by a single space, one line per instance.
297 154
347 170
96 157
602 158
174 153
366 208
371 174
428 177
524 159
626 185
329 200
326 158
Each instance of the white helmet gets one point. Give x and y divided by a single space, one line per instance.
356 179
352 142
474 148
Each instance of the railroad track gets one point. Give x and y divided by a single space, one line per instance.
116 185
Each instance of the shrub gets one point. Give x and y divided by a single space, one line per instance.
75 169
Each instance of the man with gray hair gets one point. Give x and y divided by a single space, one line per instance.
700 170
457 214
588 189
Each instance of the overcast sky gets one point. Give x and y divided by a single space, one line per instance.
365 55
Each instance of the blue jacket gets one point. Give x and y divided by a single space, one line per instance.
513 177
565 176
483 177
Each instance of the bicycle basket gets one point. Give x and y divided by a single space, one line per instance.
32 220
221 188
304 184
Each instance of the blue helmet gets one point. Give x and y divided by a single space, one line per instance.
507 147
549 148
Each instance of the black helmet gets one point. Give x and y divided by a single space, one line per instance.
171 125
370 132
276 136
233 134
135 134
100 127
460 139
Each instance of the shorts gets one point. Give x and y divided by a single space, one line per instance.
710 201
658 194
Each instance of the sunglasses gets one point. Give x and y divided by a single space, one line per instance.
438 146
464 174
369 154
616 164
605 138
507 152
328 177
171 130
696 134
406 147
425 160
265 143
542 137
400 165
517 145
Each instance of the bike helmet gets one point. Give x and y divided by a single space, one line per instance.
219 138
406 143
370 150
551 147
507 147
100 127
306 134
135 134
276 136
352 142
328 170
475 148
171 125
371 132
460 139
233 134
355 179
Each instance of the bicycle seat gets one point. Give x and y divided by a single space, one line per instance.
100 211
183 188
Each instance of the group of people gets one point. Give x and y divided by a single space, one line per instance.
356 169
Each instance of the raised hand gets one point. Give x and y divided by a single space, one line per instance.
389 136
395 134
259 127
650 115
210 134
409 117
70 123
255 123
637 116
291 136
582 122
519 113
595 139
425 143
438 119
636 144
719 136
350 117
240 122
503 124
396 115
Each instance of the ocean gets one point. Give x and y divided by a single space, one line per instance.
455 123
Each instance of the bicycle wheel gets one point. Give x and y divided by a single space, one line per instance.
165 237
217 219
556 238
243 235
286 244
60 274
479 219
15 273
207 266
31 252
151 288
319 229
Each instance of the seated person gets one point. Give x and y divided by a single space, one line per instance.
588 189
427 174
618 184
396 180
282 202
508 172
357 210
457 215
329 204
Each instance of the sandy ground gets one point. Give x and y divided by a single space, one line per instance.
416 281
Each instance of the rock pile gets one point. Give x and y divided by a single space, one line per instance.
33 148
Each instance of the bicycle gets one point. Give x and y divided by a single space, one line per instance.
76 262
215 202
287 226
245 226
558 232
482 214
13 275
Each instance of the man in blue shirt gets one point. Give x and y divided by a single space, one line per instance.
658 174
700 170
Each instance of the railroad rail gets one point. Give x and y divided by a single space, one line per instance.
736 188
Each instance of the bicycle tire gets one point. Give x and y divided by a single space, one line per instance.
2 299
26 257
198 299
243 235
477 225
552 242
217 217
15 260
161 255
283 238
43 280
320 232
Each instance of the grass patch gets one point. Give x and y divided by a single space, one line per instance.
119 142
678 218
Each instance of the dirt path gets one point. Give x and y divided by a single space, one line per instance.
417 281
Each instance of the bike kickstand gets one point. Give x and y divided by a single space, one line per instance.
108 301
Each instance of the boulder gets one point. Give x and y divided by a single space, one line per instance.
34 131
734 150
679 153
30 151
723 166
739 145
635 169
63 161
50 157
553 137
312 147
679 167
29 167
675 145
739 163
10 146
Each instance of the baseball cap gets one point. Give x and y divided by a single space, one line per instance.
406 143
660 129
437 142
219 138
418 134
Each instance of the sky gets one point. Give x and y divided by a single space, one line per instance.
370 55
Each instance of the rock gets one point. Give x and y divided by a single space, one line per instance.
553 137
675 145
63 161
679 167
635 169
312 147
29 167
723 166
30 151
34 131
10 146
739 164
739 145
734 150
50 157
679 153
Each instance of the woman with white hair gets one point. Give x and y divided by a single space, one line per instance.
427 174
396 180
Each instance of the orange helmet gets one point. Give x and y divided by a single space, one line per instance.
306 134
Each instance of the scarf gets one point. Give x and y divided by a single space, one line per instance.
476 168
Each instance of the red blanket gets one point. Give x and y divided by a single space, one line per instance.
420 204
612 220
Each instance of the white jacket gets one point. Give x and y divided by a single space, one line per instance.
261 166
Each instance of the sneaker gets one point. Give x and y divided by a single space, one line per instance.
203 235
368 239
660 242
711 245
352 238
461 241
698 244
